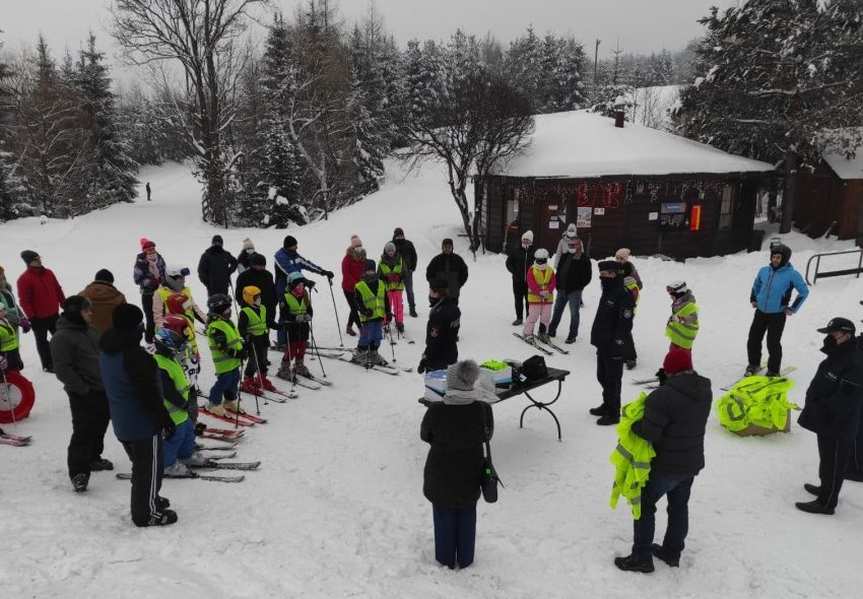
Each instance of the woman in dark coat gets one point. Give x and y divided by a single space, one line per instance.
456 429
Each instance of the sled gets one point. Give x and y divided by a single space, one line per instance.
16 397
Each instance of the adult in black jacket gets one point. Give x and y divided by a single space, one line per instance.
855 463
408 253
456 428
258 276
216 267
441 331
518 260
574 272
834 400
448 266
75 353
675 419
609 335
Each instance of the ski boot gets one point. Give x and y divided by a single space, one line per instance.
544 337
266 385
285 373
300 369
196 459
232 406
178 469
400 327
249 385
217 409
376 359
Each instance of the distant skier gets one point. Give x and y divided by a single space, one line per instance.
518 262
541 284
216 267
391 269
610 335
450 266
408 253
149 272
373 306
147 186
297 314
288 261
442 329
41 297
771 296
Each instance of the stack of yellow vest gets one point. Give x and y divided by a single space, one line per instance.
631 458
756 405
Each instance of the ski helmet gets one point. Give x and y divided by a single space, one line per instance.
175 275
294 278
169 339
677 288
176 303
540 256
219 303
250 293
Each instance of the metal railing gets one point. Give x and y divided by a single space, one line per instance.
833 273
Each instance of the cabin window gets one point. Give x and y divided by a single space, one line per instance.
726 208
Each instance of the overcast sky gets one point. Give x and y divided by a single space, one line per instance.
640 25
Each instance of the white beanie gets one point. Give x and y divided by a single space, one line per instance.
623 254
528 235
247 244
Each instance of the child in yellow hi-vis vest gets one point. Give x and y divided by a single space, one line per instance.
226 348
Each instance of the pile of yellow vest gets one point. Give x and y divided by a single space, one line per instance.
631 458
756 405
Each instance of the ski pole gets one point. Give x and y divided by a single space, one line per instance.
288 356
336 311
257 366
236 306
392 343
315 347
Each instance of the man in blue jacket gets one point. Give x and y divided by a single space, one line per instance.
287 262
771 298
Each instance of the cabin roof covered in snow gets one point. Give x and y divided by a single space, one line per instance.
580 144
844 167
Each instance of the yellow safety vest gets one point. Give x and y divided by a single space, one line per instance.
386 270
375 303
543 279
223 361
756 400
297 306
8 337
257 322
631 458
179 415
682 327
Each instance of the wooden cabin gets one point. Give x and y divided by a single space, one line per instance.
623 185
831 197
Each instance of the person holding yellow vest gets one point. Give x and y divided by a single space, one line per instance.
253 325
10 356
296 314
541 283
373 306
175 282
228 352
682 326
178 449
391 270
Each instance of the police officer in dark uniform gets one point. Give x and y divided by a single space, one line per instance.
611 335
441 330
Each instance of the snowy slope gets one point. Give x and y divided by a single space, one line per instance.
337 508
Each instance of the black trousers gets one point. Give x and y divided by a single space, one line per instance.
855 463
90 416
41 328
834 456
257 361
353 317
609 373
147 307
773 325
519 293
454 535
146 456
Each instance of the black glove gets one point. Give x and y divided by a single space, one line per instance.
241 354
329 274
661 376
422 366
200 429
310 285
168 426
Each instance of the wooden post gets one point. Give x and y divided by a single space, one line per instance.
789 197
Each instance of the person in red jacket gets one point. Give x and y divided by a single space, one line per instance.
353 268
40 296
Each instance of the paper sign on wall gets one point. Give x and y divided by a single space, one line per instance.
652 216
554 224
582 220
599 211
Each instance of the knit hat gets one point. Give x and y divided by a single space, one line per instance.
104 276
217 240
258 260
677 360
677 287
390 248
28 256
462 376
571 231
623 254
371 266
146 243
247 244
289 242
356 241
75 303
127 317
398 232
609 266
447 242
528 236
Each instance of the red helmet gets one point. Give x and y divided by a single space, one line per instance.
178 324
176 303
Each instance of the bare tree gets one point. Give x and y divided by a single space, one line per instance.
201 36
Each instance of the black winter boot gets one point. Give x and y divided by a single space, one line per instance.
630 563
659 553
79 482
597 411
814 489
101 464
814 507
608 420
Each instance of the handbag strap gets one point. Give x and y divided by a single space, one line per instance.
486 430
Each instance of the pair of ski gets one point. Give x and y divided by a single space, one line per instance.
235 418
277 396
543 346
229 435
211 464
14 440
346 355
308 382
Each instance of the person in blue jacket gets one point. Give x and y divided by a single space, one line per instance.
287 262
771 297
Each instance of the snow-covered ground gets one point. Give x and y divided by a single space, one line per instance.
337 509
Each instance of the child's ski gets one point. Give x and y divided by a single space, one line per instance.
229 417
534 344
245 415
217 465
219 478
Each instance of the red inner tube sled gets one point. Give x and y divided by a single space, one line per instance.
16 397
